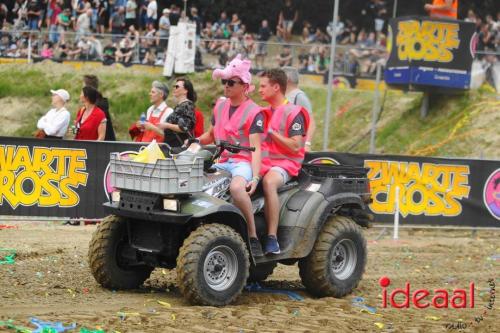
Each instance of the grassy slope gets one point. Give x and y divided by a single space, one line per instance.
465 125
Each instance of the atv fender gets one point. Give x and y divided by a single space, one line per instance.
342 199
310 226
203 207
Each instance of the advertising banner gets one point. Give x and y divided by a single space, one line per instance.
58 178
430 52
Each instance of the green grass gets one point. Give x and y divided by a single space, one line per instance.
449 129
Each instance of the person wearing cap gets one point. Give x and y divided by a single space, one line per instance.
283 149
298 97
54 123
156 114
164 29
238 119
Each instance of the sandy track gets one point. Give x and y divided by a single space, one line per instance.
51 280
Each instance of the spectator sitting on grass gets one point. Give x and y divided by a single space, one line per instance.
249 47
61 52
46 52
150 37
321 37
285 57
109 54
307 34
149 57
124 52
322 61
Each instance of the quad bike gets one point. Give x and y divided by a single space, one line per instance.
204 236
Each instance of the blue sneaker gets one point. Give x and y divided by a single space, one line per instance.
272 245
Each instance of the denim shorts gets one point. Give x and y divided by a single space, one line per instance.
242 169
284 174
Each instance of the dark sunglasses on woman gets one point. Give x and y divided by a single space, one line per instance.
230 83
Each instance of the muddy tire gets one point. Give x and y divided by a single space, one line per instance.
111 259
212 266
337 261
261 272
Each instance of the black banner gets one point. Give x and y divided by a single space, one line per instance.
430 52
57 178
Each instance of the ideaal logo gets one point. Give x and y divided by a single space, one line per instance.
430 189
428 41
45 177
438 299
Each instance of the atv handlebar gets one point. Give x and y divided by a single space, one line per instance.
234 148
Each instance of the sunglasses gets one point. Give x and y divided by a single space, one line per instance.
230 83
177 86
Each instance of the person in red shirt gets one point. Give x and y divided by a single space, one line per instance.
90 123
199 125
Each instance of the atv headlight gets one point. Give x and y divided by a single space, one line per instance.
171 204
115 196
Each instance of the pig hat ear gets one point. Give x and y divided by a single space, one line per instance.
236 68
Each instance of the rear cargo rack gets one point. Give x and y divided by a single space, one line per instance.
334 171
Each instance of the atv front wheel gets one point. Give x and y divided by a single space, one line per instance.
212 266
112 260
337 261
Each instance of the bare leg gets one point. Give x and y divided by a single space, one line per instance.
272 180
242 200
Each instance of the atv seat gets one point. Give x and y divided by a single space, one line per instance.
259 192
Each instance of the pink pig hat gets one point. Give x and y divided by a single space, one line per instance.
237 67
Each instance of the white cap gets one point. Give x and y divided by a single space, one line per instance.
61 93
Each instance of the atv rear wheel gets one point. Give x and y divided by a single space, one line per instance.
337 261
261 272
112 260
212 266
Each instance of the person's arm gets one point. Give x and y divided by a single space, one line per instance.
207 137
448 5
296 133
61 120
292 144
101 130
303 101
42 122
256 161
310 133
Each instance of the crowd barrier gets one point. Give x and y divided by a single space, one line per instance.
58 178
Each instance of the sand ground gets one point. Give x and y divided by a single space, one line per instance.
50 279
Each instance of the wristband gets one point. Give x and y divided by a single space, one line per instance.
308 143
256 179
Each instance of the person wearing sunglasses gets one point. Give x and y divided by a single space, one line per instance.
283 149
179 125
237 119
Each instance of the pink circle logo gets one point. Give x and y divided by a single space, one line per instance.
492 194
108 187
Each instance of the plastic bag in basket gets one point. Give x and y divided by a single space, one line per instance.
150 154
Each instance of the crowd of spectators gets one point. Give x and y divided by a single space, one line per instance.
135 31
